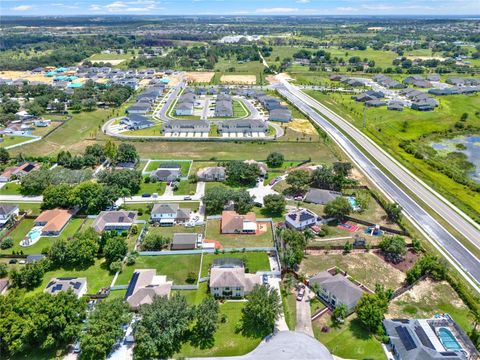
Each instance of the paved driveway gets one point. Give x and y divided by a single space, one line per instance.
304 316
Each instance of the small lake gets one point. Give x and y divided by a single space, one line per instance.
472 150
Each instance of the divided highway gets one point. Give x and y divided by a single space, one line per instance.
460 257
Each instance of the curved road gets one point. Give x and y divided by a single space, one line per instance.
460 257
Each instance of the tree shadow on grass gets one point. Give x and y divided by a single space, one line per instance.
358 330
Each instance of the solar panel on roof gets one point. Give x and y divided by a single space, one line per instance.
423 337
29 167
448 353
57 287
305 216
406 338
131 285
77 285
292 216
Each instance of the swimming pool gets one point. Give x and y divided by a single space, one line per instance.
448 340
353 203
32 236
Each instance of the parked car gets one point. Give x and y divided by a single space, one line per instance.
300 294
146 195
22 262
265 278
155 195
12 261
76 347
187 198
272 182
298 198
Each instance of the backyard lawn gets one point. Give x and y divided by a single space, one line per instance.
256 261
227 341
239 241
176 267
289 303
366 268
349 341
185 187
13 140
154 164
11 188
168 231
97 277
152 187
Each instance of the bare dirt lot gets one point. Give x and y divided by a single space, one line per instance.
413 57
302 126
238 79
26 75
199 77
110 61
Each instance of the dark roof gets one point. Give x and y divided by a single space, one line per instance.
227 262
184 239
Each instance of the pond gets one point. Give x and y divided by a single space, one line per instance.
468 145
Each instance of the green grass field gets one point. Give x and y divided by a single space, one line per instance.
289 303
238 241
185 187
99 56
227 341
150 188
169 231
10 189
256 261
9 140
176 267
154 164
155 130
387 129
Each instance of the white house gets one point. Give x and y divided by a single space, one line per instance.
7 212
77 285
169 214
300 219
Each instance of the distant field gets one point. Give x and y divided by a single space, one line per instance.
105 57
238 79
200 76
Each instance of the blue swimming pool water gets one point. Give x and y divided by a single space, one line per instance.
353 202
448 340
34 234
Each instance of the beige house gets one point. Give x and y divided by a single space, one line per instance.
144 286
229 280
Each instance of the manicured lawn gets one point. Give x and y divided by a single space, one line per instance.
316 305
366 268
176 267
31 208
289 308
194 297
10 189
239 241
152 187
185 187
13 140
71 228
227 342
97 277
350 341
168 231
256 261
155 130
154 164
115 294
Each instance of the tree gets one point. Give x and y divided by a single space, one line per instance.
294 243
154 242
274 204
6 243
243 201
4 156
298 181
104 328
240 173
206 323
261 311
57 196
128 180
394 248
126 153
338 208
339 313
28 277
40 322
110 150
370 311
35 182
162 328
115 249
275 159
215 199
325 177
3 270
82 251
85 195
394 212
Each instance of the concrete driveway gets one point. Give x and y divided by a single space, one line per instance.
304 316
260 191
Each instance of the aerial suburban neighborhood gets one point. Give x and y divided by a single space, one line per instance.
220 180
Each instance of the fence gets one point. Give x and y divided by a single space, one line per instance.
184 287
204 251
383 228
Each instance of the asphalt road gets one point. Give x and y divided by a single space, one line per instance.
452 249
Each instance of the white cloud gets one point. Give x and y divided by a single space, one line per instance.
277 10
303 1
135 6
22 8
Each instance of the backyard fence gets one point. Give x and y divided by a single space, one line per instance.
383 228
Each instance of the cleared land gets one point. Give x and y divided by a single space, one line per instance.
199 77
25 75
238 79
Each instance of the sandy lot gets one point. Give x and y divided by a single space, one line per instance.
303 126
238 79
25 75
200 76
413 57
113 62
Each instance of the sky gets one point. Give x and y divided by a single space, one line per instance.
239 7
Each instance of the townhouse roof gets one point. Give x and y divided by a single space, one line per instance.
187 125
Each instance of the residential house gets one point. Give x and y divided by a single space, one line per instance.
7 213
189 126
337 289
144 286
139 108
224 108
167 172
387 82
300 219
184 108
77 285
321 196
215 173
433 77
233 223
395 106
53 221
429 339
375 103
120 220
136 122
17 172
169 214
184 241
243 126
280 115
229 280
23 115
